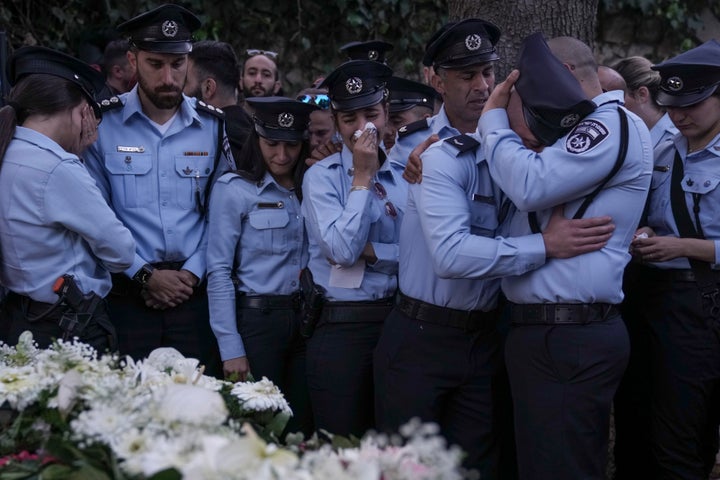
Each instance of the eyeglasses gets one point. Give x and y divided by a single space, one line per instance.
267 53
321 100
382 195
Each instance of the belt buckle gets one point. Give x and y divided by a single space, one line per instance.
565 314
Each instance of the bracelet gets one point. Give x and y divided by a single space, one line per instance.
356 188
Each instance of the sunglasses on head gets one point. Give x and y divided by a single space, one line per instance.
267 53
321 100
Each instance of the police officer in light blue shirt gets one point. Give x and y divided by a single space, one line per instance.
256 249
156 153
353 206
679 284
567 348
54 221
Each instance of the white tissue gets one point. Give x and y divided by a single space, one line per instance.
368 126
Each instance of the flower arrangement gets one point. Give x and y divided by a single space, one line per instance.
68 413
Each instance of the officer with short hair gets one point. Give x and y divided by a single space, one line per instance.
156 152
567 348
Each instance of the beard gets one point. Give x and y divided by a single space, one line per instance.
164 98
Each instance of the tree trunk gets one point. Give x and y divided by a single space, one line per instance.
519 18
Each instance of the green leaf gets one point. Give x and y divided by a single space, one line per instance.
167 474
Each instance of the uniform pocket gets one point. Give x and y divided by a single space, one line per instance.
270 234
483 218
131 182
194 172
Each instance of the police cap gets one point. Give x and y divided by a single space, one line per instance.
468 42
553 100
165 29
406 94
30 60
691 77
357 84
370 50
280 118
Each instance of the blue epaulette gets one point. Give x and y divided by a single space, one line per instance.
201 106
462 143
110 104
413 127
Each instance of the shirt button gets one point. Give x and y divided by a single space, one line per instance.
163 173
293 283
164 204
169 230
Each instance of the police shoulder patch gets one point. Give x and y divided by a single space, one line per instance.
201 106
462 143
413 127
109 104
587 135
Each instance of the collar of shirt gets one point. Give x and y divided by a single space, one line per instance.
663 128
608 97
36 138
268 181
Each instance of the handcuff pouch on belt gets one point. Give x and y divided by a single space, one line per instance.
313 299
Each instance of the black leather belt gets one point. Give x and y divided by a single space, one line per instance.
560 313
383 302
470 320
270 302
32 308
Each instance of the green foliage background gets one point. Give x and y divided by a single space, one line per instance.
307 33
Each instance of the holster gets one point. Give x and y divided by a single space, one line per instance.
313 299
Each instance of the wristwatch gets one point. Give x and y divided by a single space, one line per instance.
143 275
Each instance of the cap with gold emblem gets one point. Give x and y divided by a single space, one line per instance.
33 59
280 118
691 77
370 50
553 100
165 29
460 44
357 84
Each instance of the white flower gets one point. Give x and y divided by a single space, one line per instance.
164 358
20 386
191 404
261 396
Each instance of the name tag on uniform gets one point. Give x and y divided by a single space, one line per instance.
270 205
123 149
483 199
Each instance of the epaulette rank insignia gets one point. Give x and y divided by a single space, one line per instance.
110 103
463 143
413 127
205 107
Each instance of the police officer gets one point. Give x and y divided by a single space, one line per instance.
257 236
54 219
375 50
567 347
440 353
463 58
409 102
680 282
156 152
353 206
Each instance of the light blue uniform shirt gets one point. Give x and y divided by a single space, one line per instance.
340 222
565 173
702 177
54 221
404 144
255 233
449 253
664 130
151 179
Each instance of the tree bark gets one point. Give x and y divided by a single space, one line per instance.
519 18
